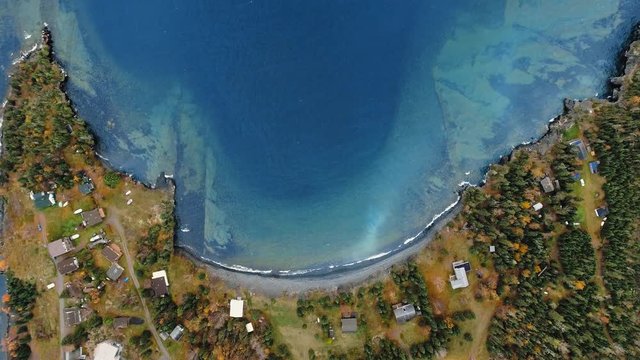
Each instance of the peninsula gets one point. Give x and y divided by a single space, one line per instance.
540 262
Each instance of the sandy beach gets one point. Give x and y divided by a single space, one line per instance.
278 285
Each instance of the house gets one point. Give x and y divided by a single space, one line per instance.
92 218
121 322
115 271
602 211
593 166
74 355
177 332
349 325
160 283
582 150
111 254
249 327
107 350
236 308
43 200
72 316
86 185
404 313
60 247
68 265
547 185
459 279
537 206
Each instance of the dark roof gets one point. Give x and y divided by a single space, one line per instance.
577 176
593 166
121 322
159 286
72 316
582 150
602 212
404 313
547 185
60 247
92 218
115 271
464 265
111 254
43 200
68 265
349 325
86 186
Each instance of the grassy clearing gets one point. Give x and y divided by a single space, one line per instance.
571 133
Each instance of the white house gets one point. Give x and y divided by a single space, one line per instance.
459 279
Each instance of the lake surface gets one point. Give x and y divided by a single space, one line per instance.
314 135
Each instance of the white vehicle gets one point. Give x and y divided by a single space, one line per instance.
75 236
129 202
581 182
127 193
77 211
95 238
51 286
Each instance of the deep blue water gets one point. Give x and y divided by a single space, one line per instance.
309 134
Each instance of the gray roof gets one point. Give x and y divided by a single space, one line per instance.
91 218
111 254
86 186
404 313
547 185
43 200
121 322
68 265
177 332
115 271
159 286
72 316
349 325
60 247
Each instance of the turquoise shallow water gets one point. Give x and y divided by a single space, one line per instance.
318 134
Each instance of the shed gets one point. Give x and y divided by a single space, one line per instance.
115 271
537 206
72 316
177 332
86 186
404 313
249 327
593 166
68 265
602 212
93 217
236 308
60 247
349 325
547 185
111 254
43 200
492 248
121 322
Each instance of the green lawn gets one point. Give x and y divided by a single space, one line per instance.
572 132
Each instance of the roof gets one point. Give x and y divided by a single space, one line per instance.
86 186
404 313
92 217
593 166
115 271
60 247
459 280
177 332
547 185
537 206
111 254
159 287
162 275
68 265
582 150
236 308
349 325
492 248
249 327
576 176
74 354
43 200
107 350
72 316
121 322
461 264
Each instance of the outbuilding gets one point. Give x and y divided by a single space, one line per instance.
236 308
404 313
547 185
115 271
349 325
